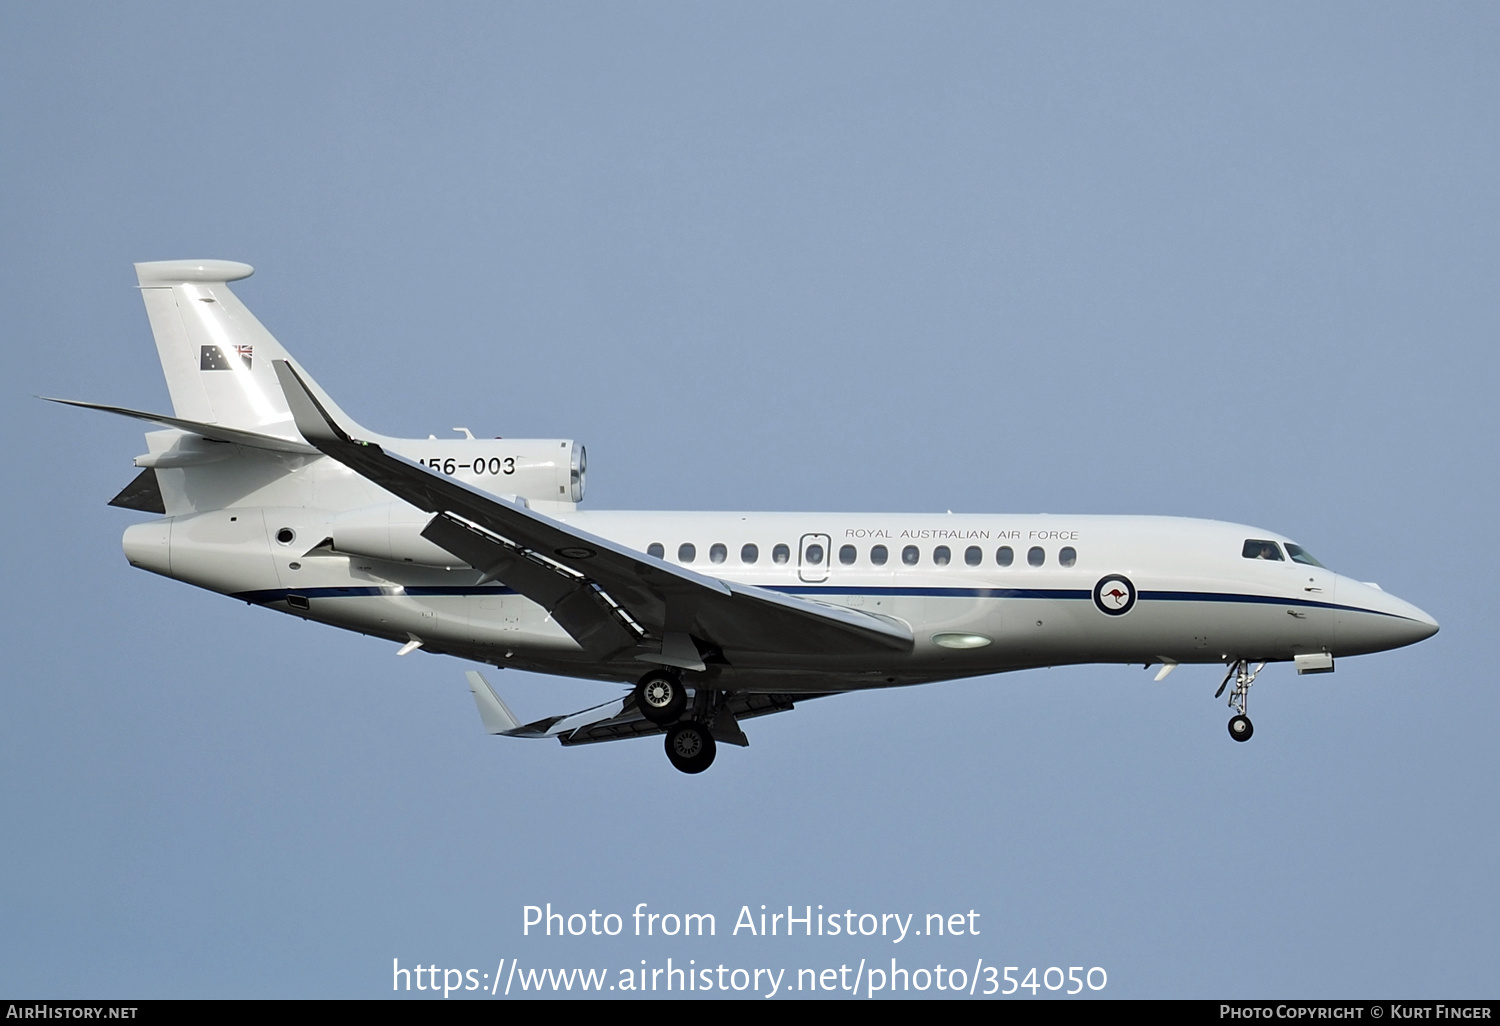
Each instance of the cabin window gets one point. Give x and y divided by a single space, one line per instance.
973 555
1256 548
1068 556
1301 555
781 553
749 553
1005 555
942 555
717 553
814 554
847 555
910 555
656 549
687 552
878 555
1036 555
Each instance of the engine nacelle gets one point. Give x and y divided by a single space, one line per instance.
547 472
392 532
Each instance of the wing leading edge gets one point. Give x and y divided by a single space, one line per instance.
609 598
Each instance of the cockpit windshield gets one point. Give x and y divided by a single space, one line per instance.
1301 555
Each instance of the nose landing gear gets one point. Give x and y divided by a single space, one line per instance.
1240 727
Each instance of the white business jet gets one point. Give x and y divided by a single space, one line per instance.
269 493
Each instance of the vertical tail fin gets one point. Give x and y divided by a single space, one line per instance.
216 356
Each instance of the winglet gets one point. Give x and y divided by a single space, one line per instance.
497 717
313 421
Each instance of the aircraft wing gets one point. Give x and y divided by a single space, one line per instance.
617 720
608 597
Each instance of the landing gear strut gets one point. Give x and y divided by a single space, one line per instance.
1240 727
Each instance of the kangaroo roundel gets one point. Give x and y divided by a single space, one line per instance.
1114 595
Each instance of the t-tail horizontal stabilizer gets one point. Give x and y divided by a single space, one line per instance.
212 432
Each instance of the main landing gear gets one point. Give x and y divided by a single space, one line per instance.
662 699
690 747
1240 727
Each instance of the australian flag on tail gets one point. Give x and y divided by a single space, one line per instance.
213 358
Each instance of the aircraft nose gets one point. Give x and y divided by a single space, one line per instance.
1398 632
1370 620
1425 618
1421 625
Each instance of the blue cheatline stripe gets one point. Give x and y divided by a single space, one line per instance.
1014 593
279 594
1266 600
1074 595
1064 594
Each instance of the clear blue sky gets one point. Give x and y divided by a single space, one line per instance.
1230 261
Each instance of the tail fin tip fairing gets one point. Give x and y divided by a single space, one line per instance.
166 273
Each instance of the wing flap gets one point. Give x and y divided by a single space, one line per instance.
574 603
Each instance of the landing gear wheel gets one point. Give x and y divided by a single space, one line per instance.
660 697
690 747
1240 728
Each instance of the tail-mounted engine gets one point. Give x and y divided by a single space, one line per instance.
547 472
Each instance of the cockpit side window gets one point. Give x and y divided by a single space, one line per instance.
1257 549
1301 555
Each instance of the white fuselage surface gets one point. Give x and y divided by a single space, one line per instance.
1198 598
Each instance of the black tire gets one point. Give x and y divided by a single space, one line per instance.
660 697
1240 728
690 747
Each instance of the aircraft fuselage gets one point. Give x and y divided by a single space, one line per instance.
981 593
